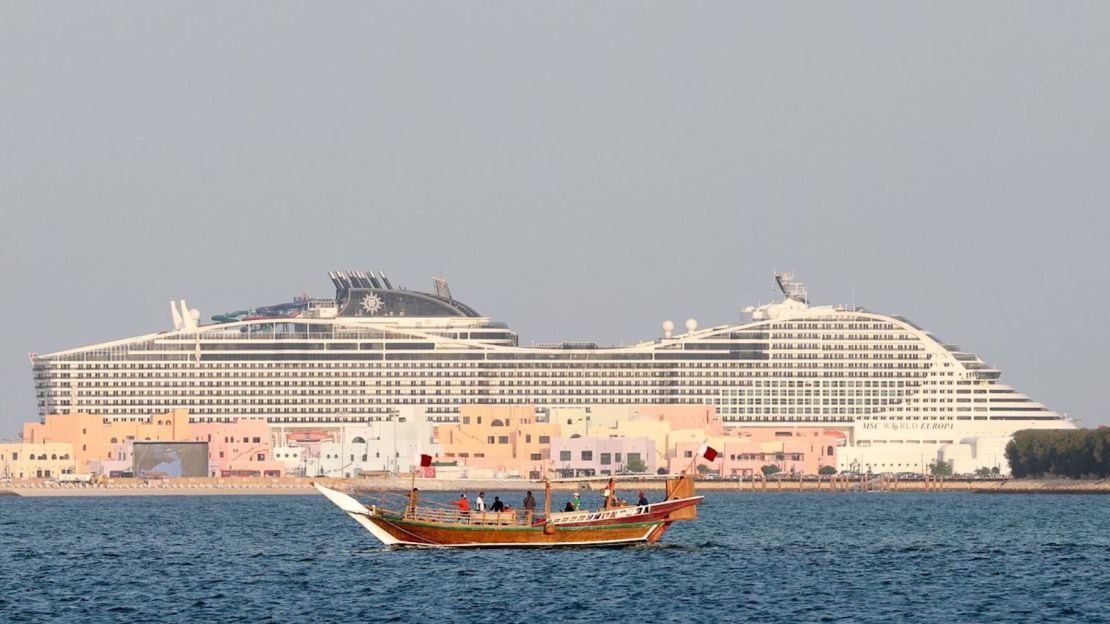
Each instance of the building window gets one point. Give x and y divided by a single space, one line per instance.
489 439
536 457
261 457
497 423
684 454
587 455
257 440
545 439
564 455
528 439
618 457
502 439
633 457
466 420
606 459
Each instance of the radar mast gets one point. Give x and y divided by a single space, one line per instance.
792 289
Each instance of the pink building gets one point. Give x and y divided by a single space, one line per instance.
238 449
602 456
744 452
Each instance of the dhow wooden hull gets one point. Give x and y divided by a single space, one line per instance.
617 527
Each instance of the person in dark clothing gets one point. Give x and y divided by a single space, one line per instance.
643 499
569 507
497 506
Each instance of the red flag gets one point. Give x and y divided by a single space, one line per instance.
425 461
708 452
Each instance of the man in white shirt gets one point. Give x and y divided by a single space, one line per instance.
481 501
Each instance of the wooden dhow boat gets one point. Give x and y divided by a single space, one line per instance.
615 524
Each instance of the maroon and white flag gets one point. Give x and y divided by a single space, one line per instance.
425 461
708 452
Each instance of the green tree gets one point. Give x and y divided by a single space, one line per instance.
770 469
704 470
636 464
983 472
826 470
941 468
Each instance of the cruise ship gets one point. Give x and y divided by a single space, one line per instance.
882 380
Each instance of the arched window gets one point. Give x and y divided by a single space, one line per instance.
497 423
358 440
53 456
829 451
115 441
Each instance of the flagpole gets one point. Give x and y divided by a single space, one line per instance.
704 443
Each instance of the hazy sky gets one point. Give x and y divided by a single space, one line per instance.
579 170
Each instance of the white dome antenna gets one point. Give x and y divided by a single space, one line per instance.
691 326
668 328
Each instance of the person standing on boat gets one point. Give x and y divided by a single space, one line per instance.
577 502
643 499
498 506
529 506
480 502
463 504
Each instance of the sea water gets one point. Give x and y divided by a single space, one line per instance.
751 557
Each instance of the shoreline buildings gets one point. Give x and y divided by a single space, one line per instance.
897 394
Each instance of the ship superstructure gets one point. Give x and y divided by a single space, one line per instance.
375 346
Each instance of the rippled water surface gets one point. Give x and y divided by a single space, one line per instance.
751 557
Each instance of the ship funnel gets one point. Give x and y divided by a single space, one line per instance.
188 319
177 320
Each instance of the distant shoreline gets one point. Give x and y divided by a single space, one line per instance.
302 486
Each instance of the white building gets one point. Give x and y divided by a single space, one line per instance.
389 445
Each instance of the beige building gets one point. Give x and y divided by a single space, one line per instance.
29 460
504 438
94 439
